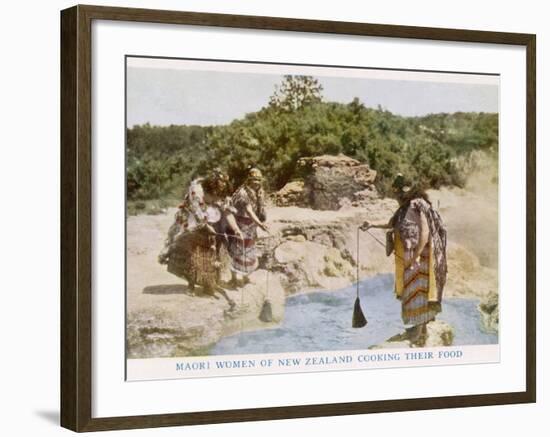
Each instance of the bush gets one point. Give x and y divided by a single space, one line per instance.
162 160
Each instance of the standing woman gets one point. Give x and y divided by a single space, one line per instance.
249 203
419 245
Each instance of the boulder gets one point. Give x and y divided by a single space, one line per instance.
307 264
365 197
329 179
336 265
292 194
488 308
439 334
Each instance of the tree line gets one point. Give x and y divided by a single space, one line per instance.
297 122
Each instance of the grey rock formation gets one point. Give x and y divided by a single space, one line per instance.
310 257
488 308
292 194
199 321
332 178
306 250
329 182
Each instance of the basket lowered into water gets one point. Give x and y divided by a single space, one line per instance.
266 314
358 320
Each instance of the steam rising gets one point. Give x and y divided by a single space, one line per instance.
471 213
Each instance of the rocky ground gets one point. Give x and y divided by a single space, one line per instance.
306 250
312 245
438 334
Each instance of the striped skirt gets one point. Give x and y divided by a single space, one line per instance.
243 253
415 306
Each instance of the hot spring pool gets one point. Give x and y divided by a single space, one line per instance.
319 321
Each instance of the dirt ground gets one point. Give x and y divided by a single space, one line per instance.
166 318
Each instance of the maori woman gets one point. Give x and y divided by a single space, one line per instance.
249 202
191 250
419 247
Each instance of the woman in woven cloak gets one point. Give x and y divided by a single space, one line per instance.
249 202
192 249
419 245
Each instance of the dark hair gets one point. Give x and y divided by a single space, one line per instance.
210 182
416 192
400 181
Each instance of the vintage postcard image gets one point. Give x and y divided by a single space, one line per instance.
293 218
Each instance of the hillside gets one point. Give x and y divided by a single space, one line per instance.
430 149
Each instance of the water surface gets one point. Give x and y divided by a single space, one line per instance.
320 321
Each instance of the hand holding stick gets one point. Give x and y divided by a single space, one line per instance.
365 226
368 225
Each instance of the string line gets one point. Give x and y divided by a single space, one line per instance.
358 229
382 244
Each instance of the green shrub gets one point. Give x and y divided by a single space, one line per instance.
162 160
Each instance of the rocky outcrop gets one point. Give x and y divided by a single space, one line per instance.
330 179
309 264
317 249
292 194
329 182
365 197
488 308
306 250
184 322
438 333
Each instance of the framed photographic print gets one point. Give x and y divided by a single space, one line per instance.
339 216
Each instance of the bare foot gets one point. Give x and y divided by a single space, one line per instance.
233 283
418 334
208 290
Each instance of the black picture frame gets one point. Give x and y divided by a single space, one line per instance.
76 216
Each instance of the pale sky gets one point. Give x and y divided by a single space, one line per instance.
163 92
